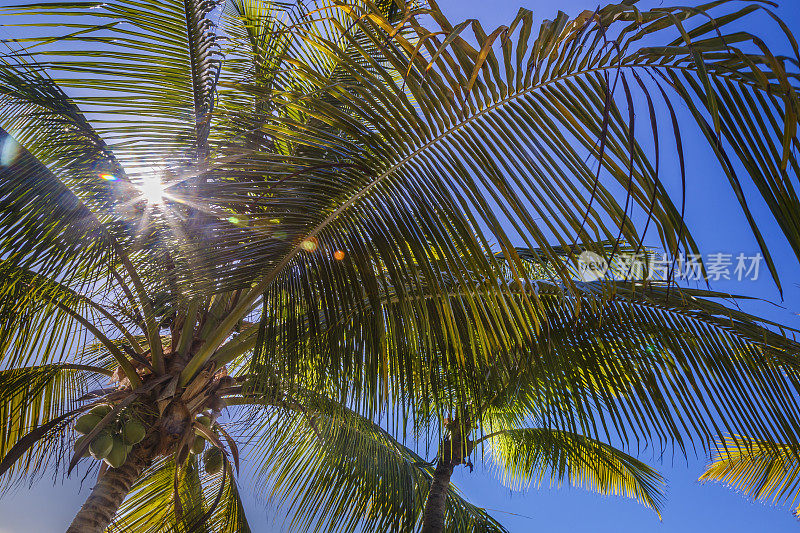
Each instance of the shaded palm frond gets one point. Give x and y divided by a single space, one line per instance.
419 128
31 397
334 470
641 360
435 158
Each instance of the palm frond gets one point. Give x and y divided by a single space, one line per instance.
643 361
44 320
542 456
763 471
31 397
207 503
334 470
431 156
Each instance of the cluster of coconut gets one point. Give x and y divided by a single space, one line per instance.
212 458
113 443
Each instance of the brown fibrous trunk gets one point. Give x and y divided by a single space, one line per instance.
453 451
112 487
435 505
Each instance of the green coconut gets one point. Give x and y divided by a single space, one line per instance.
101 445
212 461
198 445
133 432
86 423
203 419
80 440
119 452
101 410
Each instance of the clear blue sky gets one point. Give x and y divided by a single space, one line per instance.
712 212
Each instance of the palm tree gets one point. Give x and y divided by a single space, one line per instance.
314 217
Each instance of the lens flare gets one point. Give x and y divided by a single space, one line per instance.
309 245
233 220
338 255
9 150
108 177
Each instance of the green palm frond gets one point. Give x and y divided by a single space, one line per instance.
152 62
208 503
525 457
334 470
44 320
386 147
761 470
39 215
646 364
31 397
35 329
440 159
641 361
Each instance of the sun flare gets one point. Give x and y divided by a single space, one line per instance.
152 190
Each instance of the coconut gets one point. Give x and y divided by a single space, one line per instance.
198 445
133 432
86 423
101 445
80 440
119 452
203 419
212 461
101 410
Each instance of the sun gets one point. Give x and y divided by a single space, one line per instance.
152 189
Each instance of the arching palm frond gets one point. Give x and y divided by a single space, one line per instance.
203 503
533 456
372 157
334 470
406 181
640 361
631 370
761 470
46 321
32 397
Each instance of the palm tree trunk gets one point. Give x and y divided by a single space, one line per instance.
107 495
433 516
452 452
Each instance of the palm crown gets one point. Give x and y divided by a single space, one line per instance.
309 217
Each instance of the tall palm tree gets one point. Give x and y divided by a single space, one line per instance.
310 216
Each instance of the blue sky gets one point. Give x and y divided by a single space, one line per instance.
712 213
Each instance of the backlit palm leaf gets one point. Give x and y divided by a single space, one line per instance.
761 470
525 457
151 507
636 360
